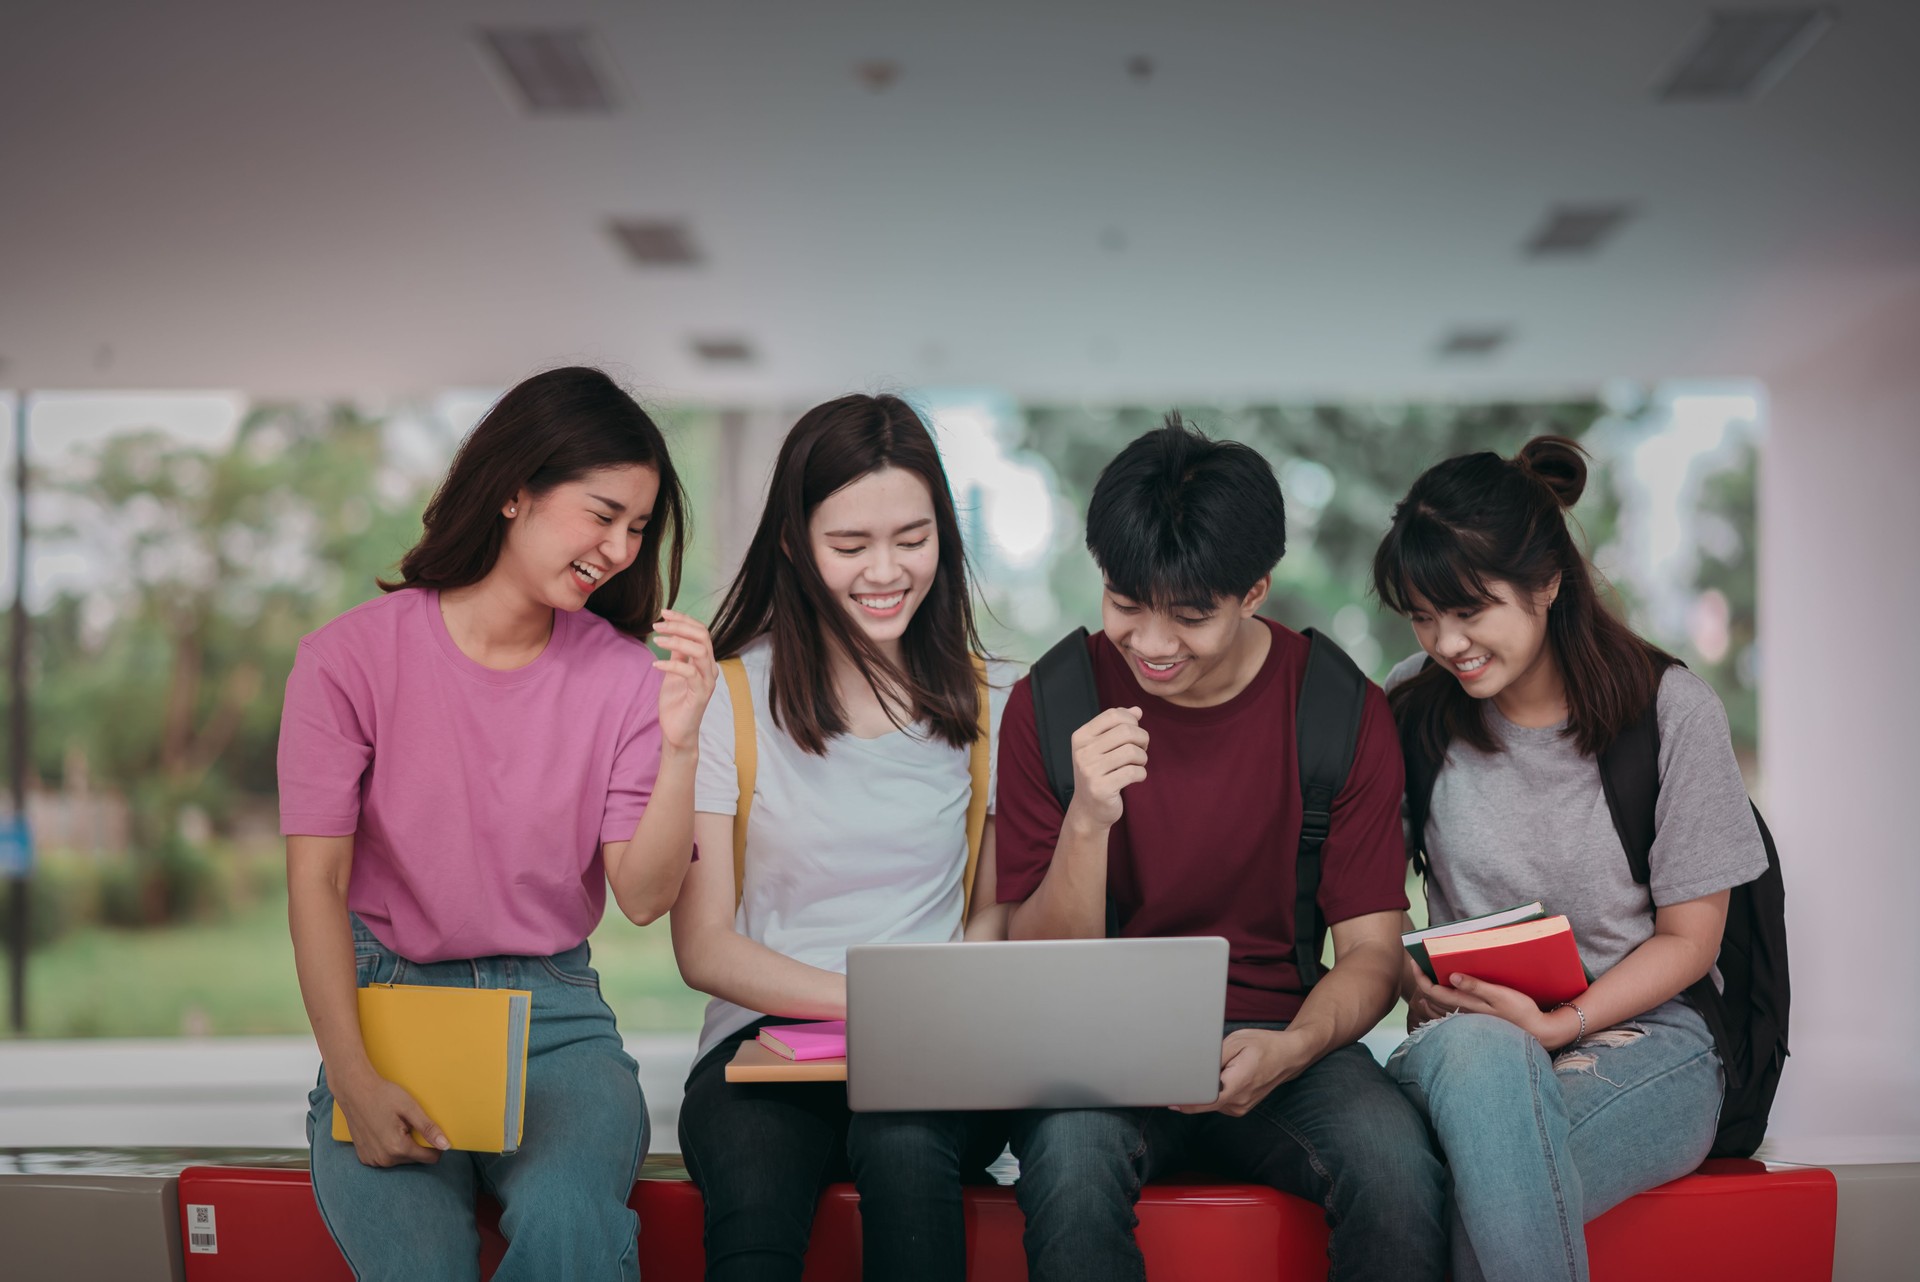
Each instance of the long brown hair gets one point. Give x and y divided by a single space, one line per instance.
1477 519
550 429
779 593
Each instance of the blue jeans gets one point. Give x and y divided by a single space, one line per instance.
1538 1145
762 1153
563 1195
1339 1135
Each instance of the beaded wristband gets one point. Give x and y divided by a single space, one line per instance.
1578 1012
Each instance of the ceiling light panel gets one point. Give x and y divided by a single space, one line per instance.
1577 229
1744 52
723 351
655 242
1474 340
554 71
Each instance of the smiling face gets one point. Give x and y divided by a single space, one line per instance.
1493 648
1188 653
563 545
877 549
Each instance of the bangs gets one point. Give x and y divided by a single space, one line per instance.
1425 561
1163 574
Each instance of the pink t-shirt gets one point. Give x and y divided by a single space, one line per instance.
477 799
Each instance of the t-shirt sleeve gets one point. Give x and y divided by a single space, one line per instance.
1364 863
636 762
1705 837
1026 824
716 784
324 751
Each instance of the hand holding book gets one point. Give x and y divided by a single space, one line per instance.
1522 949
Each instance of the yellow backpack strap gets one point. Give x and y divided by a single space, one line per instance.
746 763
977 766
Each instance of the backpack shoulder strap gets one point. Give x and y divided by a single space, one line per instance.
746 764
1333 697
978 762
1630 776
1064 699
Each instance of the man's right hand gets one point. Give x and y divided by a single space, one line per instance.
382 1117
1109 752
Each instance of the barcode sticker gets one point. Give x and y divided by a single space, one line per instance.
201 1239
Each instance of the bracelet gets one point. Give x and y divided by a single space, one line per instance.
1577 1011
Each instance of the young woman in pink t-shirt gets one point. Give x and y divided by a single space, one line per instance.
466 764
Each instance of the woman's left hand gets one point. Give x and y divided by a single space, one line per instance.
1482 998
690 676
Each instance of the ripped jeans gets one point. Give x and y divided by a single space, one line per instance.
1538 1144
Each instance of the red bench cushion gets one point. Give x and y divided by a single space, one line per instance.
1732 1221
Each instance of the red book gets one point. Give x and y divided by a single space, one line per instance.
1536 957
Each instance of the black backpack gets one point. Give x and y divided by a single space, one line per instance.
1749 1018
1332 696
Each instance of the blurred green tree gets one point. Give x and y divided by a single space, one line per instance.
163 674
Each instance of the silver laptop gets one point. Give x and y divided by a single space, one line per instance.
1055 1023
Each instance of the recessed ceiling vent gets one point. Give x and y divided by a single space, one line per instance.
1745 52
554 71
1465 341
1577 229
655 242
723 351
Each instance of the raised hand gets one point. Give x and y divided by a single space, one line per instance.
1109 752
690 675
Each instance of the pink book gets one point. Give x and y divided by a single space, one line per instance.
825 1040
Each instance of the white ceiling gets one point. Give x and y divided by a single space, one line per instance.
338 197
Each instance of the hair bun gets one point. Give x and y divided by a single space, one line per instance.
1557 463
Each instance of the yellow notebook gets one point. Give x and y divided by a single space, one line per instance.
461 1052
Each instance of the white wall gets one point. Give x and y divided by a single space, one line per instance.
1840 733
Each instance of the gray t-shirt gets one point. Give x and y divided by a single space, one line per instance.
865 845
1531 822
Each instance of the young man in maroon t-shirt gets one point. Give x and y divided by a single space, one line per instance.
1186 814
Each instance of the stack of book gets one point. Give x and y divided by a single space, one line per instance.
1522 948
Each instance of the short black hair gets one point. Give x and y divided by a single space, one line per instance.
1180 519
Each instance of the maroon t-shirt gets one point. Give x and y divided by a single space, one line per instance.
1209 837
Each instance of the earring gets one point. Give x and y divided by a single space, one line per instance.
512 510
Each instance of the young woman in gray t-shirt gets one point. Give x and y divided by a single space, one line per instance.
1548 1118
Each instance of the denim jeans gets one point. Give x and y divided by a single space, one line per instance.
563 1195
762 1153
1539 1144
1340 1135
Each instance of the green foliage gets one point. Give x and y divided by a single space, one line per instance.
1727 566
165 680
235 976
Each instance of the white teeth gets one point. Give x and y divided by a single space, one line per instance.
1474 665
587 570
881 602
1159 667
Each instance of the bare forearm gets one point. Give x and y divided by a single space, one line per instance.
646 871
1350 999
1655 972
1070 901
323 961
723 963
